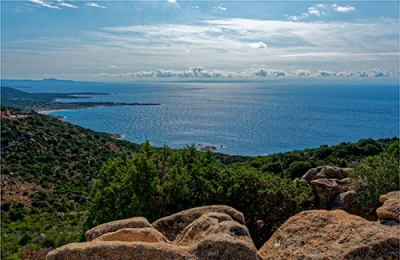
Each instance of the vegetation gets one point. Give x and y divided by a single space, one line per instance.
377 175
154 185
58 180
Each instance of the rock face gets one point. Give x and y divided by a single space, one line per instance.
137 222
212 232
333 189
390 209
174 225
321 234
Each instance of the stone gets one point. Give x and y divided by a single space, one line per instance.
212 223
322 234
212 232
347 201
149 235
390 210
326 172
326 190
172 226
117 250
224 247
136 222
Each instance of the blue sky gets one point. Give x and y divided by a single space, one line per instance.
184 40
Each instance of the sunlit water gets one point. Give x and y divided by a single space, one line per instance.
245 119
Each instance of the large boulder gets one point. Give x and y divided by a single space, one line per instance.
327 190
213 232
149 235
172 226
390 210
321 234
117 250
136 222
330 186
326 172
347 201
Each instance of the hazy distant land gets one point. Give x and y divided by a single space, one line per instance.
48 101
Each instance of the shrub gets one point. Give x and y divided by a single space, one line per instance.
376 176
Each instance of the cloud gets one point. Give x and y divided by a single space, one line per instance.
45 4
253 73
343 9
66 5
171 1
258 45
315 10
95 5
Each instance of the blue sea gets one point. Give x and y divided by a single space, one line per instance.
238 118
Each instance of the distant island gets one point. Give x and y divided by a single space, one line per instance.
48 101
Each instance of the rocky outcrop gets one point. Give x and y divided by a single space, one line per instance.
218 232
136 222
333 189
390 209
326 172
212 232
321 234
116 250
149 235
174 225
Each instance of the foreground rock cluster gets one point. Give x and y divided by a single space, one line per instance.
218 232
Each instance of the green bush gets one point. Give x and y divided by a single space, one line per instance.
376 176
154 185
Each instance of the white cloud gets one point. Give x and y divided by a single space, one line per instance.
252 73
45 4
95 5
258 45
316 10
171 1
67 5
343 9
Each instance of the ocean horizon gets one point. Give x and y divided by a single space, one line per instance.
248 119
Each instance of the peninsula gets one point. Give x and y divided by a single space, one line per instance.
48 101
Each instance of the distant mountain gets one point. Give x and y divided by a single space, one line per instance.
29 82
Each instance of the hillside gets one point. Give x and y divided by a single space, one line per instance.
49 169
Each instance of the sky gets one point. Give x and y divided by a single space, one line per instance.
199 40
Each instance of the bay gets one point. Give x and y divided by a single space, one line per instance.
239 118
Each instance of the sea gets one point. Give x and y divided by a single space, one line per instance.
247 119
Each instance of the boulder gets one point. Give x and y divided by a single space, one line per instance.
136 222
328 183
224 247
213 232
390 210
347 201
326 172
321 234
326 190
149 235
212 223
116 250
174 225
